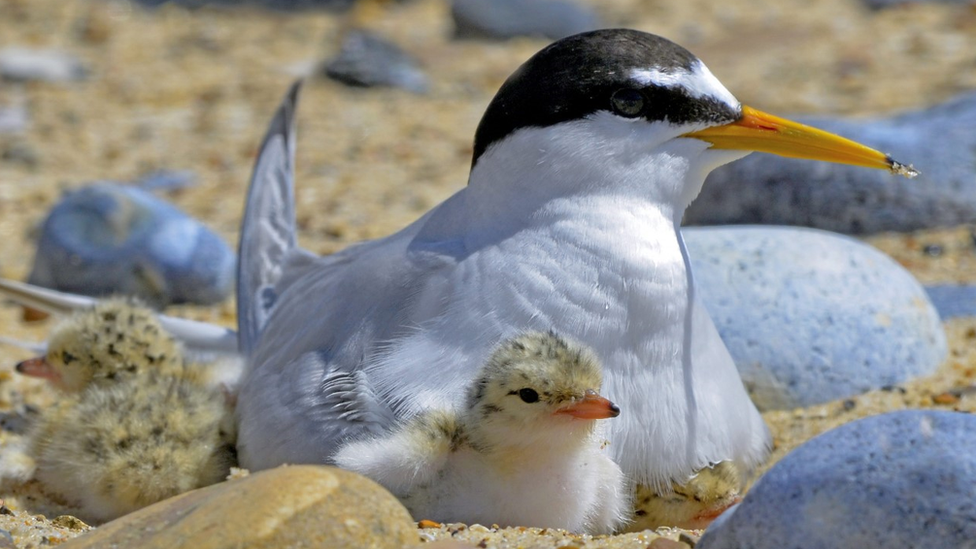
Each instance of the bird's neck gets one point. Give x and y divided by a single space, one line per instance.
520 176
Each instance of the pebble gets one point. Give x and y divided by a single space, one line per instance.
810 316
901 479
953 300
367 60
109 238
46 65
881 4
281 5
769 189
291 506
504 19
167 180
13 119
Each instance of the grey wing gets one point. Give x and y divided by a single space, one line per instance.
268 227
304 416
196 336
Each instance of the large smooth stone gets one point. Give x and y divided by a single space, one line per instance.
768 189
810 316
504 19
296 506
118 239
902 479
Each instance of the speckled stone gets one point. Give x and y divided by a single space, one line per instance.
810 316
769 189
901 479
108 238
297 506
504 19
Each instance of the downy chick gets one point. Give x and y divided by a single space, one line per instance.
523 451
692 505
136 425
114 449
116 337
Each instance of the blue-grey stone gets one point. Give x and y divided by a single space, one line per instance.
167 180
769 189
24 64
116 239
504 19
366 60
810 316
903 479
13 119
953 300
880 4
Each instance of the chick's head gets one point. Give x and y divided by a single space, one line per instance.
115 337
535 388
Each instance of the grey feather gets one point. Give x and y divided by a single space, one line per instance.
268 227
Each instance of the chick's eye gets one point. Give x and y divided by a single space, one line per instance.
627 102
528 395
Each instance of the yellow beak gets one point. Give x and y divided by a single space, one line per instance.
763 132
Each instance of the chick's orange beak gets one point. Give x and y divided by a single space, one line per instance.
37 367
763 132
591 406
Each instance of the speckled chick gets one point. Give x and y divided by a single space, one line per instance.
117 337
692 505
136 424
523 451
113 449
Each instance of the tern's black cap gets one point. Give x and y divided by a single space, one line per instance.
577 76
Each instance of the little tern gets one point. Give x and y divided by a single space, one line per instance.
583 165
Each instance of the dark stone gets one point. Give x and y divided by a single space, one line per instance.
366 60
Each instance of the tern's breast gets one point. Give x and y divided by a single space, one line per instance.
609 275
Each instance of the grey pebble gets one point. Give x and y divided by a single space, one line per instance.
167 180
13 119
504 19
368 60
768 189
108 238
953 300
810 316
903 479
26 64
880 4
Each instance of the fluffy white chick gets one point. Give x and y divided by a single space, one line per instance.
524 450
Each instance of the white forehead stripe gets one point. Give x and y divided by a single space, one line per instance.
699 82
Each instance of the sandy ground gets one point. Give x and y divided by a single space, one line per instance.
179 89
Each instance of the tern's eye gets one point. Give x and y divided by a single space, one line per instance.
528 395
628 102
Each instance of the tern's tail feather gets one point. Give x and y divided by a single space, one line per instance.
268 227
196 336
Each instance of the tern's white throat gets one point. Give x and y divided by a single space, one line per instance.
603 156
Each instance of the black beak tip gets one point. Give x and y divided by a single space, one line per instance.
614 410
